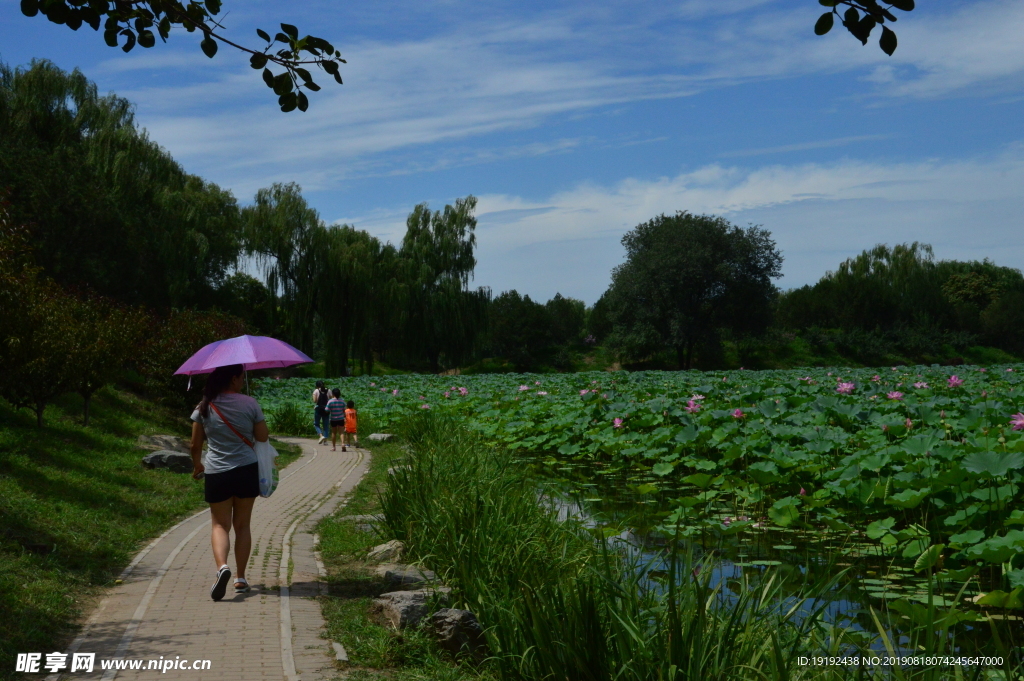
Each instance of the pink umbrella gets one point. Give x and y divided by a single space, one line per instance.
252 352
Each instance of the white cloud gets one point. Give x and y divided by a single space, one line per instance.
819 215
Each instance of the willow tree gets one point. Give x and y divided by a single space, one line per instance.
108 209
284 234
444 318
346 257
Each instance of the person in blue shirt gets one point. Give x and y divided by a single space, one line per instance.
336 408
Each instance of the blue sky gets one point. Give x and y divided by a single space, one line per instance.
573 122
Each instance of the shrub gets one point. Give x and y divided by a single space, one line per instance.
291 419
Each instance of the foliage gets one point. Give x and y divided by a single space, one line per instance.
900 443
557 600
685 278
861 17
106 208
444 319
901 293
135 23
291 419
171 339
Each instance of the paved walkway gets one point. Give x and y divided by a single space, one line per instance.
163 607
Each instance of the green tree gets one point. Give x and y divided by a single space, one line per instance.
283 232
444 319
686 278
102 336
107 208
521 330
568 320
127 24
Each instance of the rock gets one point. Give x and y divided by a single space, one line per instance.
401 609
160 442
366 518
458 632
404 575
386 553
174 461
380 437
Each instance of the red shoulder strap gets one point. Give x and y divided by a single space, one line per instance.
228 424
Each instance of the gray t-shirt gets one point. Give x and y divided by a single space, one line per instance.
227 450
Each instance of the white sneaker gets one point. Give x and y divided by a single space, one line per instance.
321 440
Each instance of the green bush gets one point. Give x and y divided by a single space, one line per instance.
291 419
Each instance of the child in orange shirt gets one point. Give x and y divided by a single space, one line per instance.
351 437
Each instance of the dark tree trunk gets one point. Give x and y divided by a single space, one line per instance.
40 407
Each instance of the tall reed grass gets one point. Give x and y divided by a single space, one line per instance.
558 601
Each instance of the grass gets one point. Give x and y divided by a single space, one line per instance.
375 652
75 505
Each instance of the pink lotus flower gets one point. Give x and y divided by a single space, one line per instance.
383 390
395 391
536 382
692 407
724 379
955 381
523 388
584 391
845 388
829 373
424 406
1009 369
803 492
921 385
806 378
594 391
373 385
694 397
983 370
1017 421
422 397
541 392
738 414
894 395
909 424
447 394
876 378
617 423
463 391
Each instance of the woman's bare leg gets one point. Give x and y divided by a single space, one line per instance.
220 517
243 536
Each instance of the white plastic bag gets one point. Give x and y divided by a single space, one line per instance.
265 455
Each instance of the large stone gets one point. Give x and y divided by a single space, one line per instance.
160 442
458 631
390 552
404 575
176 462
401 609
380 437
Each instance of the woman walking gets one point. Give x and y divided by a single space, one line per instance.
230 422
320 399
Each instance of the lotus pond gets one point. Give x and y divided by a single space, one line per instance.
907 477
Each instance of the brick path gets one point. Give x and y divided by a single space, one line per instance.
163 607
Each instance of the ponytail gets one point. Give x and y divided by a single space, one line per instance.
216 383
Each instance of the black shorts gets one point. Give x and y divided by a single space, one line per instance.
338 424
242 482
